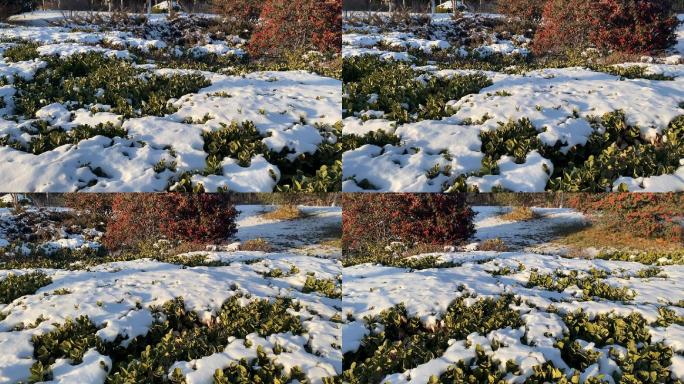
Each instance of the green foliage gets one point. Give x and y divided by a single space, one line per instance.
386 258
378 138
70 340
591 285
327 287
645 363
649 272
21 52
483 369
607 328
91 78
632 72
14 286
48 138
514 138
259 370
576 356
317 172
399 342
667 317
617 151
653 257
401 91
176 334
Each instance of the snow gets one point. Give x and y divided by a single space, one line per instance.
559 103
259 175
286 106
531 176
118 298
93 369
129 167
371 288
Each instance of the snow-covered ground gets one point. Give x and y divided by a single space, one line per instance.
119 298
559 103
370 289
286 107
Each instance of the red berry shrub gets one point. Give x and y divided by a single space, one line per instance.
564 26
645 215
631 26
378 219
192 218
298 25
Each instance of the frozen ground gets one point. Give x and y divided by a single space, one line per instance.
559 103
427 294
291 110
119 297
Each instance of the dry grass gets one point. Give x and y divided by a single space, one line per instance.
419 249
496 245
257 244
602 237
333 243
186 248
520 214
284 212
620 57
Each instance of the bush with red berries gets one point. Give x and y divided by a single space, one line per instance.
372 220
565 25
297 25
190 218
645 215
631 26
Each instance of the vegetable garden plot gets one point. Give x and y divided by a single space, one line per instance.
464 106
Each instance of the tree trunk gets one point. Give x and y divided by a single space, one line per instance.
149 7
433 7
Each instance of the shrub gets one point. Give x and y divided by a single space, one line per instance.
399 341
529 11
13 286
296 25
176 334
563 27
48 137
129 90
401 91
21 52
633 25
194 218
370 220
95 208
645 215
244 14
